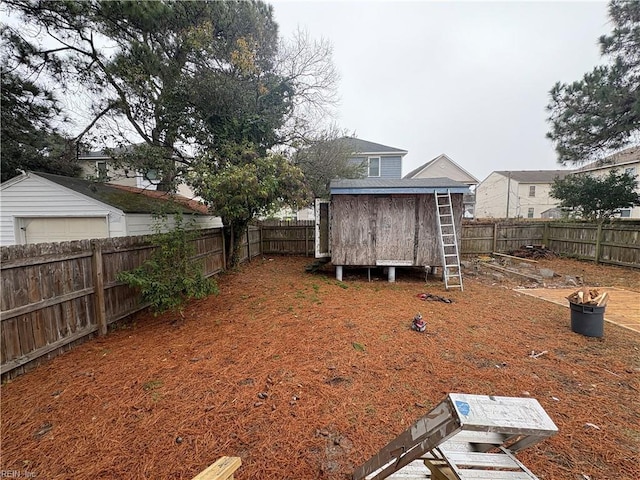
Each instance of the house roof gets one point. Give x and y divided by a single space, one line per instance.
128 199
371 186
623 157
424 166
357 145
534 176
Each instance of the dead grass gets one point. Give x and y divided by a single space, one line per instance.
306 377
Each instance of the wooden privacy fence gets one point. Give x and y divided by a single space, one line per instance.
288 237
56 295
616 243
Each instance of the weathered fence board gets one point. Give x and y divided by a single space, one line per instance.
56 295
288 239
617 243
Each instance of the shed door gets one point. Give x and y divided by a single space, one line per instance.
323 229
59 229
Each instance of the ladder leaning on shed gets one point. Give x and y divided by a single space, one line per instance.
448 241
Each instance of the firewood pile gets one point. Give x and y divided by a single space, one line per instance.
532 251
587 296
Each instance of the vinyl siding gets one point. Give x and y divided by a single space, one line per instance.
391 167
444 168
35 197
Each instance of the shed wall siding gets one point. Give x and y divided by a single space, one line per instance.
33 197
370 228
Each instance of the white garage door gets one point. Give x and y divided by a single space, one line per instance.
42 230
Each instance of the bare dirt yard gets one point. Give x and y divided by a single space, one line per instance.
306 377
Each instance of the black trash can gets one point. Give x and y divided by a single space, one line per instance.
587 319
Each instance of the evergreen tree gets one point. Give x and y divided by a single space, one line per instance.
601 113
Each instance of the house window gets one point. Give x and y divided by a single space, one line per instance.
625 213
102 171
530 213
374 166
630 170
532 191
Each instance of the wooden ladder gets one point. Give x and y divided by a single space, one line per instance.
448 241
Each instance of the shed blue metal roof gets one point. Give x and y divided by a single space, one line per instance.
386 186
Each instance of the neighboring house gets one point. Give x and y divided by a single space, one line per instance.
41 207
516 194
627 160
99 166
443 166
381 161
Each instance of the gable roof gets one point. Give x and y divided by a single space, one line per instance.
623 157
128 199
370 186
357 145
533 176
424 166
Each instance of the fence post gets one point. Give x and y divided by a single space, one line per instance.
545 235
495 237
98 286
598 241
224 249
306 241
248 245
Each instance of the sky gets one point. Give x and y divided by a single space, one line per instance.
467 79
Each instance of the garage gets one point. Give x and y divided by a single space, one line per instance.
60 229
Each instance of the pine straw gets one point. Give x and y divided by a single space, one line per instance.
343 373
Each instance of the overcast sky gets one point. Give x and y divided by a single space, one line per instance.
468 79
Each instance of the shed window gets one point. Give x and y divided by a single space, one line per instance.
532 191
625 213
530 213
374 166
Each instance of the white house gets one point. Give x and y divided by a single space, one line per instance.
98 165
41 207
628 161
442 166
516 194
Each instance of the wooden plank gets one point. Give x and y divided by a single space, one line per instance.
32 307
484 460
222 469
39 260
493 475
515 258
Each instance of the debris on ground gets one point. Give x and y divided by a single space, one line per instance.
589 296
434 298
419 325
532 251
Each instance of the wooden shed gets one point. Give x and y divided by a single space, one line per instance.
387 222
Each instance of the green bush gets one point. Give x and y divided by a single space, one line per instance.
170 278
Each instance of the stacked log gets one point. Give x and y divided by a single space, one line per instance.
589 296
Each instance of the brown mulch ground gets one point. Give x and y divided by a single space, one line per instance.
343 374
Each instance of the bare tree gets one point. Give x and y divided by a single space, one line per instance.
326 157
